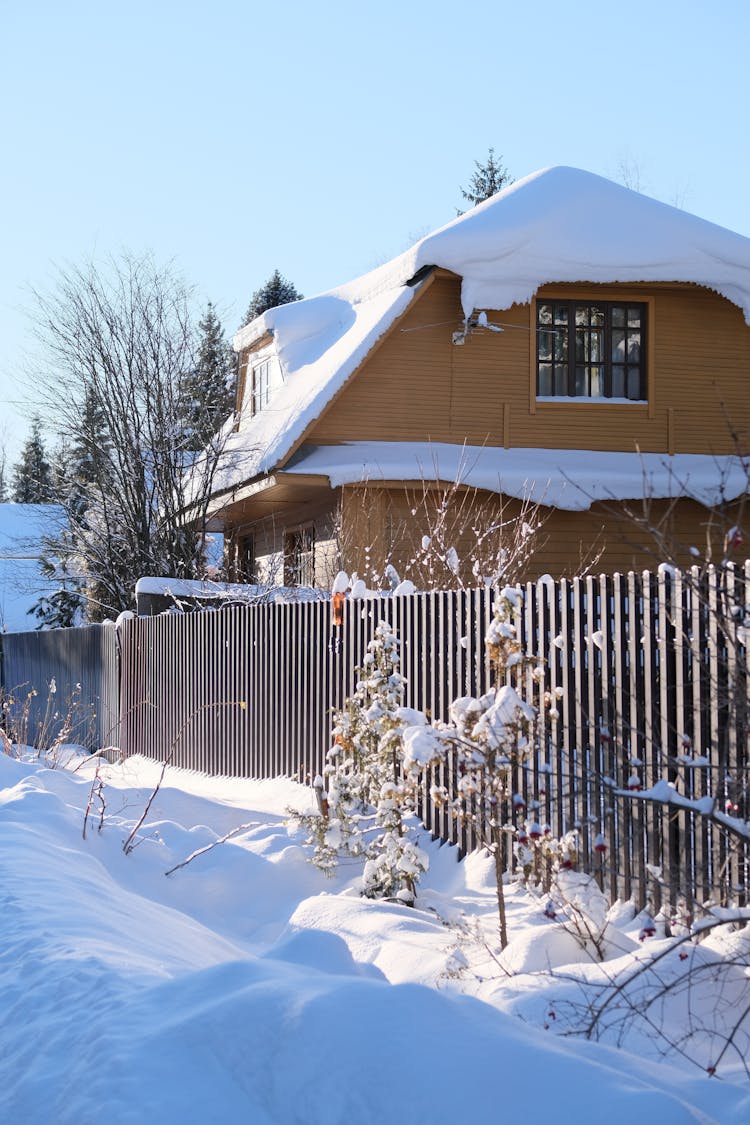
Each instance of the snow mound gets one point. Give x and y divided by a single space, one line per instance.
130 996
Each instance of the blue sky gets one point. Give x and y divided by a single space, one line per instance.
234 138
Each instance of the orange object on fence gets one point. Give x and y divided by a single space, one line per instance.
338 609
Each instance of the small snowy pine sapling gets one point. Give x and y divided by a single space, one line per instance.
370 794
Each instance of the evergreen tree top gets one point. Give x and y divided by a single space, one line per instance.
32 475
488 179
277 291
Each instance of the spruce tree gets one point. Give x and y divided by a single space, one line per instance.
207 392
277 291
32 475
488 179
87 456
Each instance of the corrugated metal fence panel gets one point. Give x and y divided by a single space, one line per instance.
85 668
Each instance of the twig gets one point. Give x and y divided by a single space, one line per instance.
208 847
128 845
96 793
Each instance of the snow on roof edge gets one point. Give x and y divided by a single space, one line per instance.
569 479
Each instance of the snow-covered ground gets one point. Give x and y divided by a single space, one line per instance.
245 987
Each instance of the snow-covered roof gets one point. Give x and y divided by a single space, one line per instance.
571 479
557 225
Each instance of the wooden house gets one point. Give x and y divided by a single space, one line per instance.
569 363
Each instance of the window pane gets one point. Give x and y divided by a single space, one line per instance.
634 383
545 345
545 379
561 314
618 345
634 317
561 346
581 353
634 347
596 346
581 382
618 381
582 314
618 316
561 380
544 313
597 316
595 382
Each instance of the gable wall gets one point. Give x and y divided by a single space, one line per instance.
419 386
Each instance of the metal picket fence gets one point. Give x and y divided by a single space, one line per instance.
647 674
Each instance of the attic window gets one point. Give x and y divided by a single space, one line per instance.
260 386
591 350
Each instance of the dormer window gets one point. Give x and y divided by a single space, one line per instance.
591 350
259 379
260 389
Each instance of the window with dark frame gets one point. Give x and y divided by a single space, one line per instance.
299 556
246 558
591 349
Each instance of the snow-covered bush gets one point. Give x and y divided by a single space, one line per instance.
371 791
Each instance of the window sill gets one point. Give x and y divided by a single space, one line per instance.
581 400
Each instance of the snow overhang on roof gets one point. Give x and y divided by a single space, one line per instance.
557 225
571 479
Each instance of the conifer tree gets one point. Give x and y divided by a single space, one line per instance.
88 454
488 179
32 475
277 291
208 389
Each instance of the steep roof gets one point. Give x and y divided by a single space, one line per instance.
559 224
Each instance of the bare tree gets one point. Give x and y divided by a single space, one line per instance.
117 349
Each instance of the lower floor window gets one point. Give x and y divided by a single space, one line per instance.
246 558
299 556
591 349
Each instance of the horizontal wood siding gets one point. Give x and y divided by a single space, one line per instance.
419 386
387 525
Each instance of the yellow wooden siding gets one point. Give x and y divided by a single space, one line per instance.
420 386
382 526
